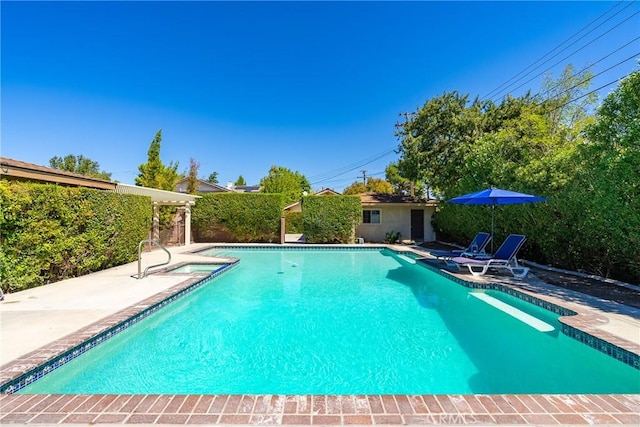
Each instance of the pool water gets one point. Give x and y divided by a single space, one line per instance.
337 322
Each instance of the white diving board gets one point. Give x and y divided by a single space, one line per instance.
514 312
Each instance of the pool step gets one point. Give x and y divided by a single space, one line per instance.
534 322
406 258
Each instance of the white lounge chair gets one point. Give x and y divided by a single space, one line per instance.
503 259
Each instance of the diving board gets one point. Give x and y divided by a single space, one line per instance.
514 312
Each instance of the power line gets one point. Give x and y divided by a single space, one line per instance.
352 165
506 83
591 65
590 92
595 75
570 55
342 171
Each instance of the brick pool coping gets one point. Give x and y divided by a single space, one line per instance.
320 410
297 409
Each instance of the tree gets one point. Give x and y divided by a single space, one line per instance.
192 177
374 185
213 177
380 186
154 174
608 184
434 141
565 99
80 165
400 184
355 188
284 181
240 181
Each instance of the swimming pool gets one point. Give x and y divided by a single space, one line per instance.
338 322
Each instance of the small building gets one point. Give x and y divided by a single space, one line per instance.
245 188
390 213
203 187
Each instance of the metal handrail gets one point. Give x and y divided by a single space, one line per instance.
155 242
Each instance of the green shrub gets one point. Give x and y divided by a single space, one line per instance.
392 237
294 223
237 217
331 219
49 232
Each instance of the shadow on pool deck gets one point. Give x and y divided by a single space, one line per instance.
564 282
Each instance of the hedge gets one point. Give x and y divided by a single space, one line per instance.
237 217
331 219
50 232
294 222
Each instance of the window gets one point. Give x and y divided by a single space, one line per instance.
371 216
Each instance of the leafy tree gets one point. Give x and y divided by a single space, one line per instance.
374 185
400 184
608 184
192 177
240 181
284 181
435 140
380 186
355 188
80 165
153 173
213 177
566 101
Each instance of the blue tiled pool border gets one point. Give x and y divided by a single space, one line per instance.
18 383
610 349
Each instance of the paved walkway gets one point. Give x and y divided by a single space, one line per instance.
37 316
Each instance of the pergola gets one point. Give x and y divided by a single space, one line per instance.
163 198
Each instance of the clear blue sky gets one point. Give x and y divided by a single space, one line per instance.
240 86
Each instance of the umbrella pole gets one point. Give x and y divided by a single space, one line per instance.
493 209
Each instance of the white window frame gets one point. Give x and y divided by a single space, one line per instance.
371 216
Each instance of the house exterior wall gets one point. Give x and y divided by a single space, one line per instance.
394 218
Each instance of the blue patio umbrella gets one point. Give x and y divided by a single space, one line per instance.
495 196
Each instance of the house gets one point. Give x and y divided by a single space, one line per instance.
390 213
17 170
203 187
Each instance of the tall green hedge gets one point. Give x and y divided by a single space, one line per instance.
49 232
331 219
237 217
294 222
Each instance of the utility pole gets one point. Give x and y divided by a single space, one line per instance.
364 177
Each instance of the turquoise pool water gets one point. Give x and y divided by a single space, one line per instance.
338 322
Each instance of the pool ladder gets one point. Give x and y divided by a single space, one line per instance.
155 242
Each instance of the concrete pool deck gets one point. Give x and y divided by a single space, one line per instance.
39 323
